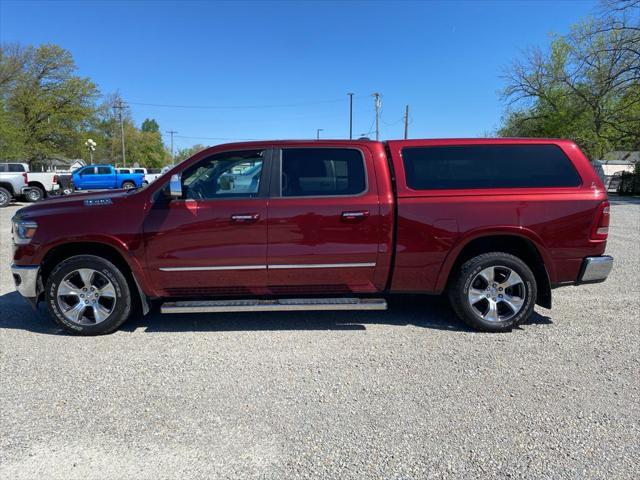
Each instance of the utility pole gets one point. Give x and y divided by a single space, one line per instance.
318 130
406 122
376 96
171 132
120 106
350 116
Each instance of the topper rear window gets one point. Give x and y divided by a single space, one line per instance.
488 166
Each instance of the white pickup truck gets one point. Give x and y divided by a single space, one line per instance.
40 184
12 184
149 175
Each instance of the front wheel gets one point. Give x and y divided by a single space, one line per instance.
5 197
88 295
493 292
128 185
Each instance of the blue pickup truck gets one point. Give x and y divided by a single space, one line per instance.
97 177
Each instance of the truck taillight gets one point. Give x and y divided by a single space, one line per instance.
55 179
26 177
600 229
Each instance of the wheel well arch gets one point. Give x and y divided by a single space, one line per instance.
517 245
34 183
61 252
7 186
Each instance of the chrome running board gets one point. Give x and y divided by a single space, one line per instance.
277 305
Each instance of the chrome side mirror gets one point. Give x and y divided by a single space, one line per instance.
175 186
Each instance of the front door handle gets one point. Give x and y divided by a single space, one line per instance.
355 215
245 217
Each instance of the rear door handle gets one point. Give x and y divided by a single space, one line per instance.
245 217
355 215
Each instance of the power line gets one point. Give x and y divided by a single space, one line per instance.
234 107
217 138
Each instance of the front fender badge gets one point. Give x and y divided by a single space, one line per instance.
97 201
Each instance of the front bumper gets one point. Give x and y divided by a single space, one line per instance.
26 280
595 269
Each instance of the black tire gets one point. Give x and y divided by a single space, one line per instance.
35 194
470 271
5 197
127 185
122 304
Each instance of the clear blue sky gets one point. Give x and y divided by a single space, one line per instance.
443 58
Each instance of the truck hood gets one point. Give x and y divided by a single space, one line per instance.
69 204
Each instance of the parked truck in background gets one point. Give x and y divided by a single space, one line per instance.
495 224
12 184
150 175
41 184
100 177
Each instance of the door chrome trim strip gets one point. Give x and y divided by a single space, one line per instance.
321 265
200 269
269 267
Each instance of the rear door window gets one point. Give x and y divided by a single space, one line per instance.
104 170
322 172
488 166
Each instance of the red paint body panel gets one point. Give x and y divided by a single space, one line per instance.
313 231
435 225
429 228
202 234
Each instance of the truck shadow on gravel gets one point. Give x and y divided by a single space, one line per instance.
407 310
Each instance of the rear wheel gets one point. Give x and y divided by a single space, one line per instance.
5 197
88 295
34 194
493 292
128 185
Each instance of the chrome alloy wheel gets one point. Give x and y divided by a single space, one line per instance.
33 195
86 296
497 294
4 198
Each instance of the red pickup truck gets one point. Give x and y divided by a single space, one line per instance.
324 225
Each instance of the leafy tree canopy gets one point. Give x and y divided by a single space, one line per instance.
585 87
45 105
150 125
184 153
48 111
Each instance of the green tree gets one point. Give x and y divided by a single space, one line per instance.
586 86
184 153
150 125
145 148
45 104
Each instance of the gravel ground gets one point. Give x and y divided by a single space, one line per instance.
408 393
